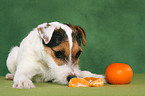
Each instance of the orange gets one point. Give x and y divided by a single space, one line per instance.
78 82
90 79
95 82
119 73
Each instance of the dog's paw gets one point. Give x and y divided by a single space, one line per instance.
89 74
9 76
24 84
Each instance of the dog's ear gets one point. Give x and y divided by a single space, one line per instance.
45 31
79 33
79 29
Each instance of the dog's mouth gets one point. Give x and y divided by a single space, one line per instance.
63 79
70 77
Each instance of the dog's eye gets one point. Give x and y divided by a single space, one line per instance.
59 54
78 54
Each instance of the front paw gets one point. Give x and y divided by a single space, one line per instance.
23 84
89 74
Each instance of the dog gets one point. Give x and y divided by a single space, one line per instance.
49 53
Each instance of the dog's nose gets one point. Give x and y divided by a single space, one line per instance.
70 77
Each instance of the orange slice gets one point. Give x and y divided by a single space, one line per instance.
90 79
97 83
79 82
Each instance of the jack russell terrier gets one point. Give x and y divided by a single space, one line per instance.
49 53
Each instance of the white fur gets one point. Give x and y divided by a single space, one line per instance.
29 62
68 32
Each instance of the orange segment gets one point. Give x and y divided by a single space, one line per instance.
78 82
90 79
97 83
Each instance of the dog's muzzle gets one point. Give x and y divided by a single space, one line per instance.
70 77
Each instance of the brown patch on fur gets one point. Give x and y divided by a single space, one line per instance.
72 27
75 49
64 46
76 30
40 29
83 35
48 24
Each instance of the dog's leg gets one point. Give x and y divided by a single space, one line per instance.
21 81
84 74
11 63
26 69
23 75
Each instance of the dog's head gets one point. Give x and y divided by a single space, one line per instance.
62 42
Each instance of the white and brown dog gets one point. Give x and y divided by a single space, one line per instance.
49 53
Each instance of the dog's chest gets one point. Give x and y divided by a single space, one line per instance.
42 77
43 73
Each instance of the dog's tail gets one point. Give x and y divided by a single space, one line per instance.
11 62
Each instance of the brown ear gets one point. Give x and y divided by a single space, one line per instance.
80 30
83 34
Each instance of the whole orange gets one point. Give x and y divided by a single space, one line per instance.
119 73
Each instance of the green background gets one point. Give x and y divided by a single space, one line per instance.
115 29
